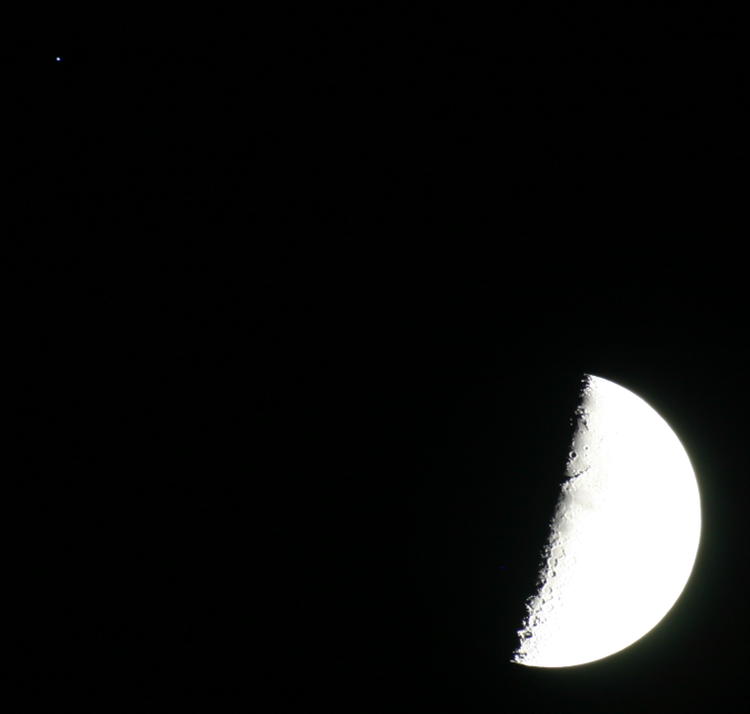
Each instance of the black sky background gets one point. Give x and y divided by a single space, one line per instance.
297 312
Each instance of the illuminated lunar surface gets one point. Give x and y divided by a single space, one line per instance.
623 538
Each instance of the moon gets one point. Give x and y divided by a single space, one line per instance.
623 538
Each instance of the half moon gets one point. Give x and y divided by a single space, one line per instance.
623 538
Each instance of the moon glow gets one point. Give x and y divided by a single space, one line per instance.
623 538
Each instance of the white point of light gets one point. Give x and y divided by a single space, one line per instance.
624 536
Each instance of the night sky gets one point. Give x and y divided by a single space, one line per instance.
297 309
